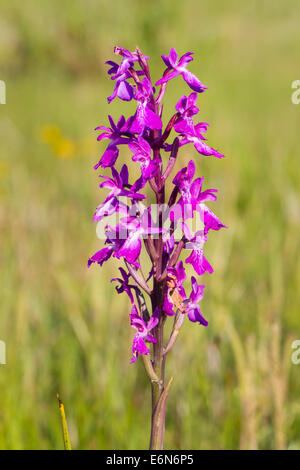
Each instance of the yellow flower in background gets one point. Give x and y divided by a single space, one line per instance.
61 146
64 147
51 134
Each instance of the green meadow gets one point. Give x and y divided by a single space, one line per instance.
66 330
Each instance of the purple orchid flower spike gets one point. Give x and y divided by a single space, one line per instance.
139 345
178 67
159 232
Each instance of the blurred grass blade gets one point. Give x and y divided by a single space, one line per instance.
67 443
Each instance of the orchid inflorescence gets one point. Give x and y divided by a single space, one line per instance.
147 139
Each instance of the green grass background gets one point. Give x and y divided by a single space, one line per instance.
65 328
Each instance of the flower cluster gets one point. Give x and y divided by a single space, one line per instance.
149 141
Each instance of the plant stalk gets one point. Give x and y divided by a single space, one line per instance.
158 417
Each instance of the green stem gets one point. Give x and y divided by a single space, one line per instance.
150 371
159 394
175 332
157 422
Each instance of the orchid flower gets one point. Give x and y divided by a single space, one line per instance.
114 134
193 310
123 89
124 284
178 67
139 341
142 153
117 185
157 231
145 117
